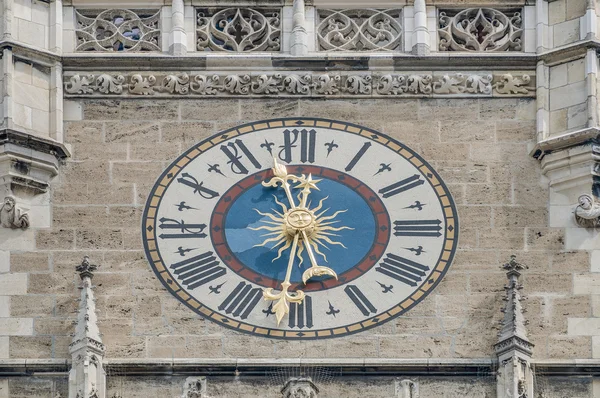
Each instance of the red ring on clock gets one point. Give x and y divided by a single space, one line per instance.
381 216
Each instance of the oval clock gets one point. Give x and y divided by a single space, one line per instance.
300 228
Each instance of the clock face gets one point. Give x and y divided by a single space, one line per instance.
300 228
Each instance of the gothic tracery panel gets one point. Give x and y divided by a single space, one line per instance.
480 29
238 29
117 30
359 30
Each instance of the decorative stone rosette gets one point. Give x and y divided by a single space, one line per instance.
289 84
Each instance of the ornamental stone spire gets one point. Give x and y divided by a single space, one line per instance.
514 350
87 378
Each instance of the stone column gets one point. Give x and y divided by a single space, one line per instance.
178 40
420 35
87 377
299 40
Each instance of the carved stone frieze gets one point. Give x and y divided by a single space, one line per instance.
360 30
238 29
117 30
309 84
587 212
480 29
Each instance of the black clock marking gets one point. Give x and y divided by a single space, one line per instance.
216 289
421 228
187 230
401 186
386 288
331 146
215 168
269 310
198 270
231 151
308 140
199 188
182 206
417 205
383 167
332 310
301 314
242 300
182 252
402 269
268 146
360 300
358 155
417 250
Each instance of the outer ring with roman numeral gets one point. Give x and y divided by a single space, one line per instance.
150 220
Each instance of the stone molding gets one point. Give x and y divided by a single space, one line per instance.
301 84
28 162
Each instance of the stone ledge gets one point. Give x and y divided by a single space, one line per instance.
565 141
345 367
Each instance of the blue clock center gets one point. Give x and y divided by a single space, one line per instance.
255 223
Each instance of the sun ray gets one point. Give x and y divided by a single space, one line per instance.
265 228
333 216
284 207
316 209
271 240
288 243
272 217
316 247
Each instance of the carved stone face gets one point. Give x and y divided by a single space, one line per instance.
586 202
9 203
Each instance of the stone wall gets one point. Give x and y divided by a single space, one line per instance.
479 146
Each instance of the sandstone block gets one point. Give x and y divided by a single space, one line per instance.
115 306
545 238
451 305
28 261
488 282
409 131
135 132
153 326
447 109
84 132
515 131
30 347
54 326
220 109
100 238
187 132
502 238
135 172
252 347
564 347
520 216
413 347
498 108
4 354
498 152
13 284
467 131
210 346
368 110
32 306
437 151
119 346
85 172
101 109
489 194
418 325
151 110
16 327
112 283
165 151
475 216
51 283
165 346
80 217
100 151
462 172
269 108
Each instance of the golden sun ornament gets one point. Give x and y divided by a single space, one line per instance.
299 228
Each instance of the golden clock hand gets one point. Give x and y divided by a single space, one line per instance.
315 269
282 306
281 177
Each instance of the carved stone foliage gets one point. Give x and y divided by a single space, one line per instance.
117 30
238 29
300 387
587 212
480 29
11 216
359 30
301 84
194 387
